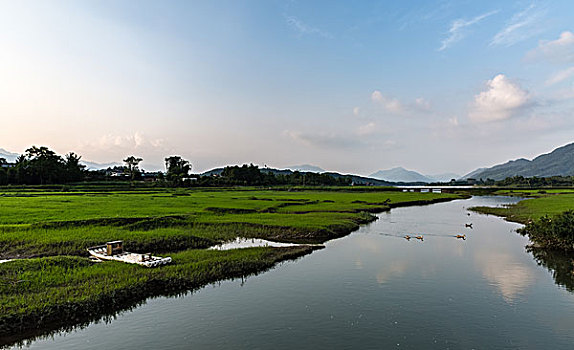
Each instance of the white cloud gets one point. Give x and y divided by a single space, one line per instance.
303 28
560 50
457 29
560 76
395 106
521 26
390 104
124 144
422 104
356 111
501 100
366 129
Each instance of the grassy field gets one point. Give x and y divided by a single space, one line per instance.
59 286
66 223
533 208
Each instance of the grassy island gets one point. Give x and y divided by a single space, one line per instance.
57 286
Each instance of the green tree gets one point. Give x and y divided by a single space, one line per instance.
74 170
132 166
177 169
44 165
3 172
244 175
18 173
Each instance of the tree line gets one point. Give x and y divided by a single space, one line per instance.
42 166
537 182
251 175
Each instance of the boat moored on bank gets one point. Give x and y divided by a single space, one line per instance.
114 251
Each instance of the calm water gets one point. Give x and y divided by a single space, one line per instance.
371 290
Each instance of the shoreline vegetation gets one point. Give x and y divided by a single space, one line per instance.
548 217
58 288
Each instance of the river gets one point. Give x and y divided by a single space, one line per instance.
373 289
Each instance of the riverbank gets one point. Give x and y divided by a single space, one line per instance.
532 208
548 219
62 288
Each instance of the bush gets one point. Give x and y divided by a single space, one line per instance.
555 232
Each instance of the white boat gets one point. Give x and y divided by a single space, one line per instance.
114 251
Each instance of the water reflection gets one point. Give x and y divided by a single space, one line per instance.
241 242
506 273
560 265
395 269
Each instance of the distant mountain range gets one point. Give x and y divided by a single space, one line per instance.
403 175
559 162
98 166
306 168
9 156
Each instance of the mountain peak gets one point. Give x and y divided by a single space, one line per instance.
400 174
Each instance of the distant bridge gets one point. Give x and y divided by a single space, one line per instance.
433 189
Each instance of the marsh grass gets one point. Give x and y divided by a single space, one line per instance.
66 224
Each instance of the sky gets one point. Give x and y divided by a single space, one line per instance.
350 86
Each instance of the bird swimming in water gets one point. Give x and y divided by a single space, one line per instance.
468 225
461 236
407 237
419 237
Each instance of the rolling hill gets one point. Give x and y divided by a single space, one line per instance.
559 162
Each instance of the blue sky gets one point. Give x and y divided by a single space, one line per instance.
434 86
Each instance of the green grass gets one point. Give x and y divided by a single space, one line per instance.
534 208
532 193
39 293
24 208
165 221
